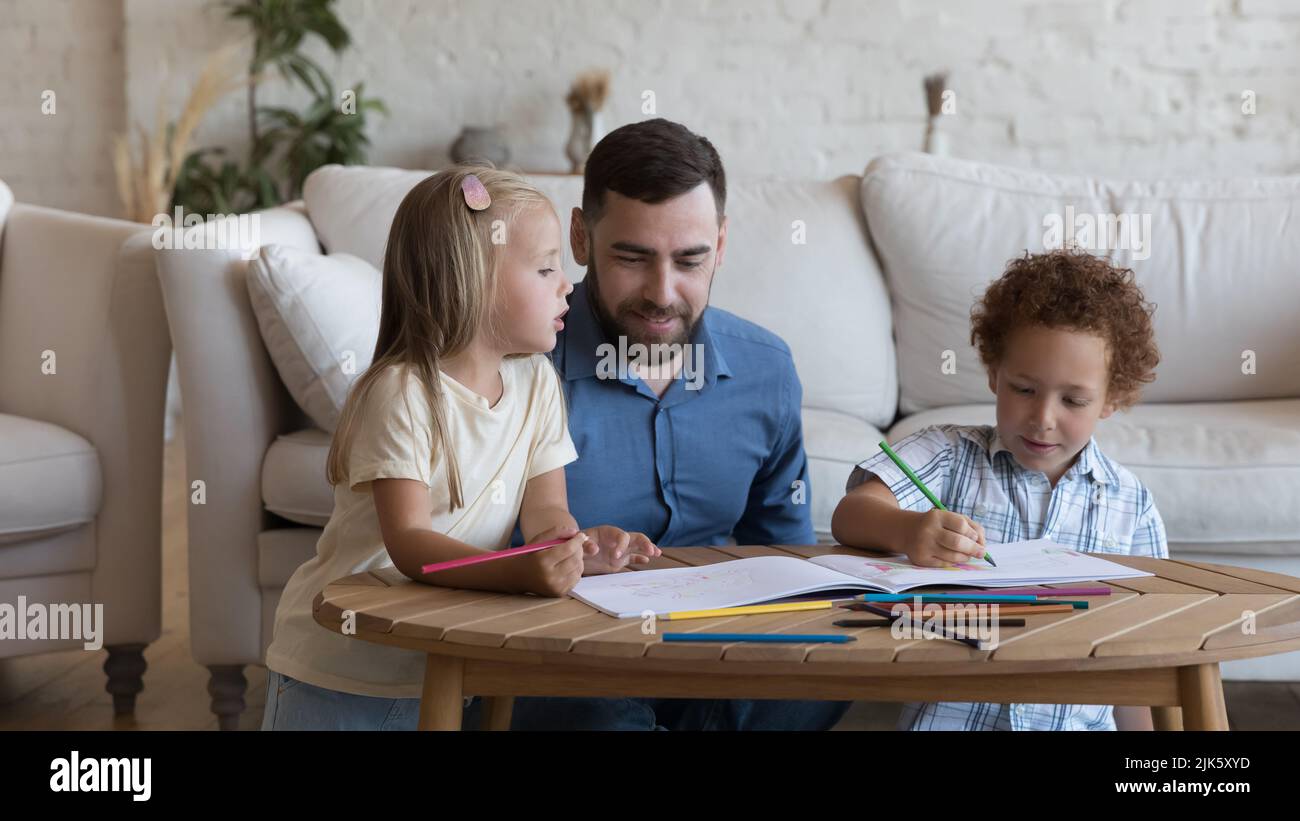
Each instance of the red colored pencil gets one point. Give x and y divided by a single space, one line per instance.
490 555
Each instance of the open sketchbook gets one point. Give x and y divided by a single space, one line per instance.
767 578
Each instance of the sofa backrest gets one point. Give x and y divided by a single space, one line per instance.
1223 269
61 295
797 262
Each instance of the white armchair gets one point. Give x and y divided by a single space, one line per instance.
83 368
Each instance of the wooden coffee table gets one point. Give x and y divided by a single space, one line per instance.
1155 641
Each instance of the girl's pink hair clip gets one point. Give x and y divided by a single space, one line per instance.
476 194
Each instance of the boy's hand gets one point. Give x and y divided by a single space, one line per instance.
938 538
555 570
616 549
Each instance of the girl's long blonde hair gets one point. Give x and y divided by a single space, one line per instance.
440 269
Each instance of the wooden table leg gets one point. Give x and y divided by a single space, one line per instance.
1201 693
442 701
1167 718
496 712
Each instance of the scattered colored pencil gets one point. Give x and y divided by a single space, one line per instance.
1003 609
923 626
939 597
916 480
1019 601
1034 591
883 622
750 610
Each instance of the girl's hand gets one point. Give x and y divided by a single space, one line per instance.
938 538
555 570
616 549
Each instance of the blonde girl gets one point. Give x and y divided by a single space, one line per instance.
453 435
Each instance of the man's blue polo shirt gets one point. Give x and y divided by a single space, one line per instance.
699 465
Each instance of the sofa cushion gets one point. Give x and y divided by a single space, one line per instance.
797 262
49 479
1220 262
352 206
832 441
293 477
319 317
1225 475
294 486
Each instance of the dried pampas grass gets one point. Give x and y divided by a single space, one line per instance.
145 183
935 85
588 93
934 88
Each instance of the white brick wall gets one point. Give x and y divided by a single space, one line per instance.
73 48
798 88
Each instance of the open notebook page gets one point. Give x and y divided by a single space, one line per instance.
766 578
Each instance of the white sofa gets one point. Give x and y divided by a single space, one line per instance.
870 281
83 366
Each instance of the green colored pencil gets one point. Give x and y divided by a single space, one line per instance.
916 480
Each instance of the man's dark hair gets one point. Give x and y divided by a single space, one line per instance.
651 161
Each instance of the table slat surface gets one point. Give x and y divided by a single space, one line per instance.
1185 608
1192 627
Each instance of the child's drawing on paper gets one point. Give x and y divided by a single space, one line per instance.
687 585
1060 551
884 568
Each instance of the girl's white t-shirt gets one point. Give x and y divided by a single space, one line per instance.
498 450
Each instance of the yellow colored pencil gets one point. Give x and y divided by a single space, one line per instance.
788 607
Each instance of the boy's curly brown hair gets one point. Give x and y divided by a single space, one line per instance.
1074 290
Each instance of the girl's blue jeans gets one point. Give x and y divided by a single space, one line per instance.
297 705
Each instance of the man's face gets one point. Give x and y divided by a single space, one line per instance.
1051 392
651 265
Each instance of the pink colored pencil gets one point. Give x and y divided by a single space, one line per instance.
1034 591
490 555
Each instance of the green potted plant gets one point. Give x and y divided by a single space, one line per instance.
285 145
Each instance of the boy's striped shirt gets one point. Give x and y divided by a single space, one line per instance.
1098 506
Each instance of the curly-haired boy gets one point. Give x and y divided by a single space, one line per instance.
1066 339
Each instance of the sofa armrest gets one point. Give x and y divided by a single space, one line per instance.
234 405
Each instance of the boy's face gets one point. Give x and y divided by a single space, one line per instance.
1051 391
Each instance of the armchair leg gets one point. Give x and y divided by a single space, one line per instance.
226 686
124 667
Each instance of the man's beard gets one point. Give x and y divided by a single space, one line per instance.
616 325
